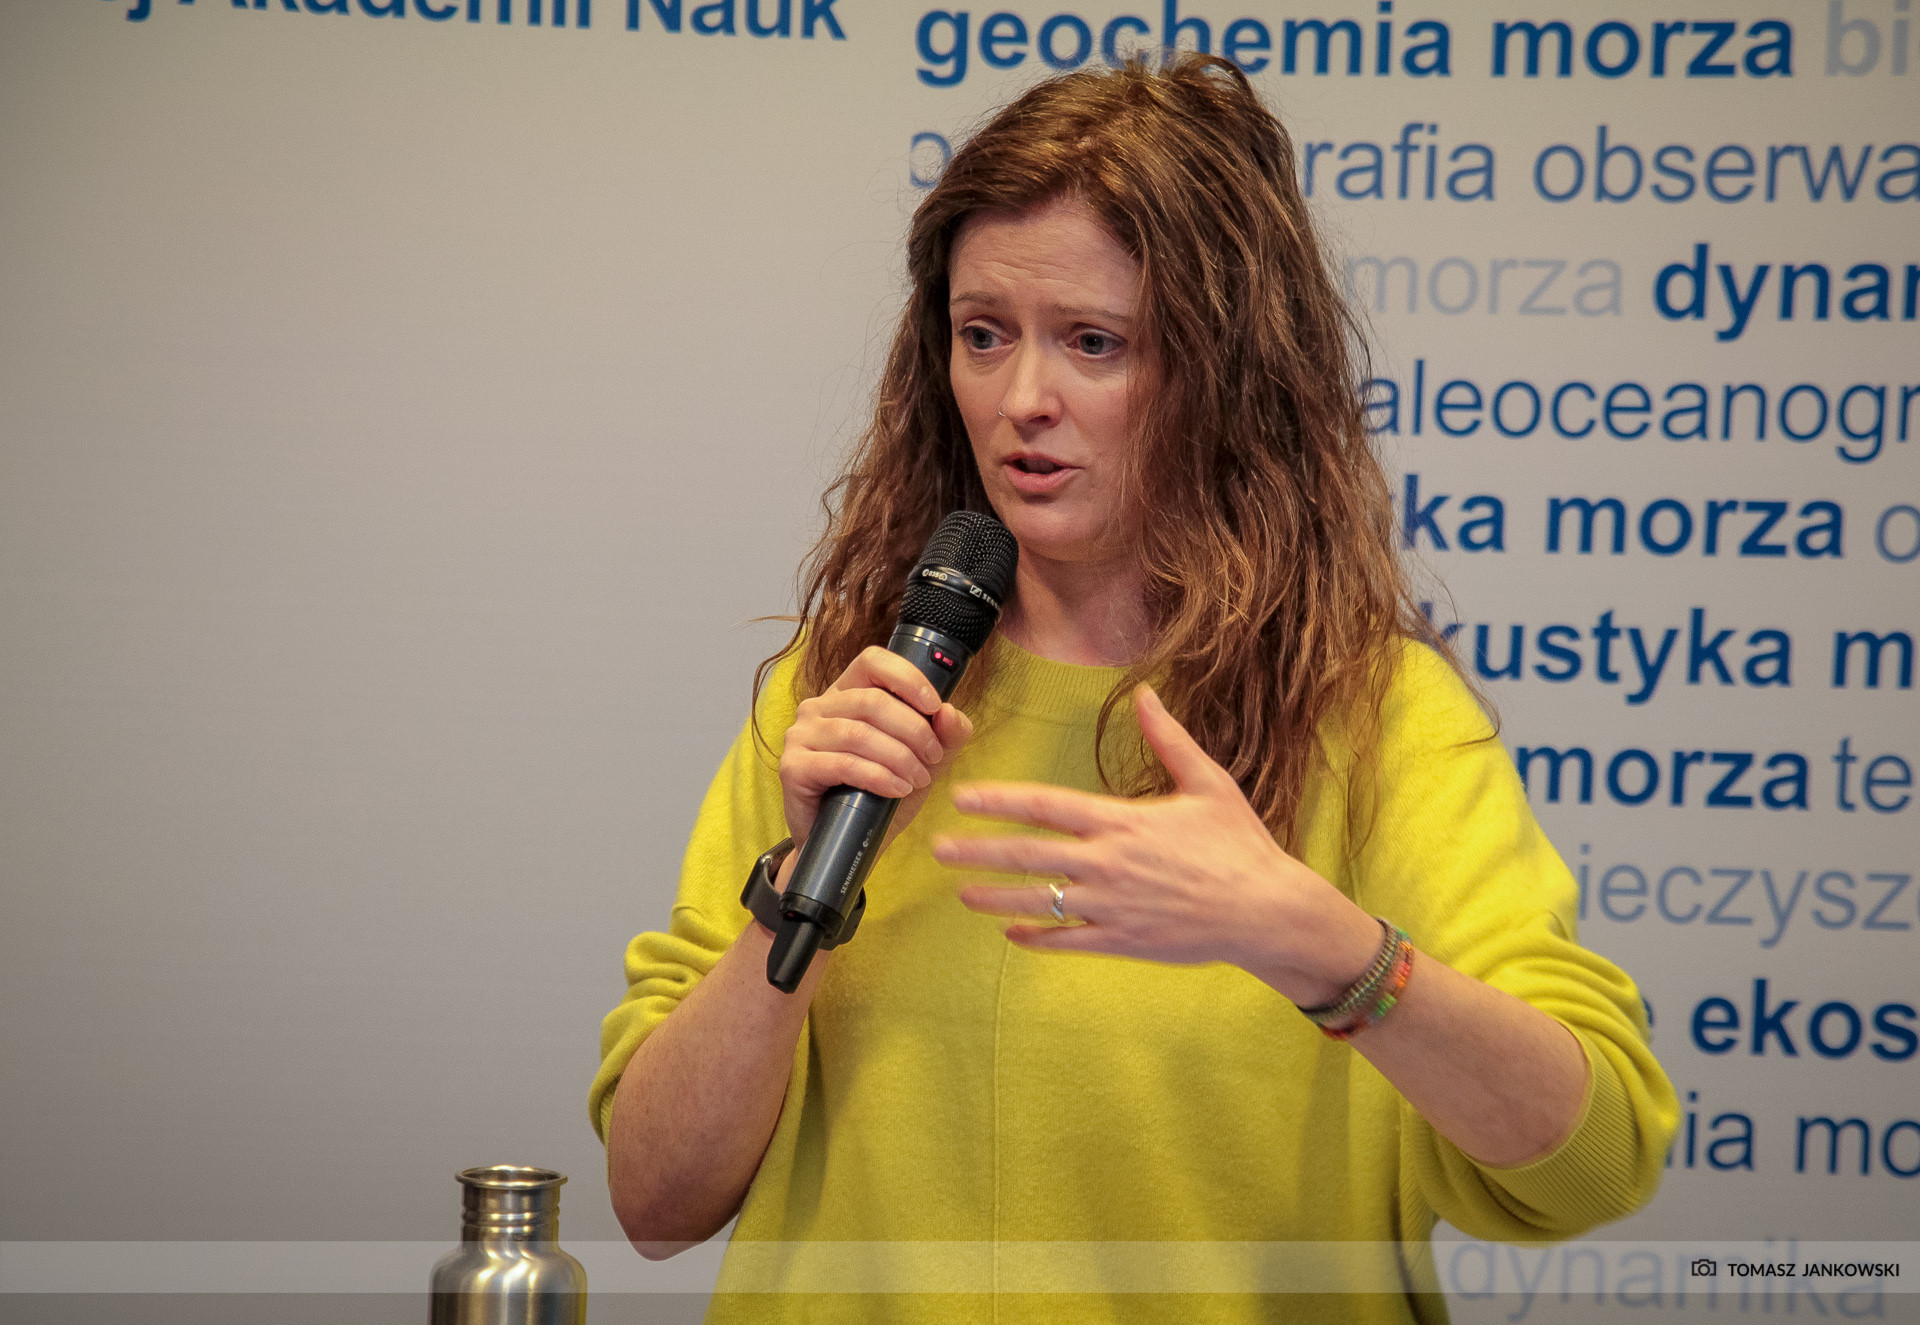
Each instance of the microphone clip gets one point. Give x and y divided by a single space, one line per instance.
764 900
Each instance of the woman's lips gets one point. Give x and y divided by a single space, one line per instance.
1037 484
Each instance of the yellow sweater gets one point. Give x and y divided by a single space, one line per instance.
1067 1137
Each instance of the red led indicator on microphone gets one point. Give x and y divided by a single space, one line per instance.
942 659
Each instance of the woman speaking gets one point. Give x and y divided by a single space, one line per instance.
1290 964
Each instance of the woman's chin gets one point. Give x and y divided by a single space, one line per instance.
1052 529
1063 547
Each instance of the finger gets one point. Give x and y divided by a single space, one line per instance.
1193 769
1063 938
821 770
997 900
989 899
851 736
1059 808
875 666
1010 855
952 728
887 712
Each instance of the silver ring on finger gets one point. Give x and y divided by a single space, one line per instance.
1059 902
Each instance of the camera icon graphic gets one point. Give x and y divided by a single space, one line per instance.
1704 1267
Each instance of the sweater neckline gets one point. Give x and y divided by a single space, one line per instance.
1027 684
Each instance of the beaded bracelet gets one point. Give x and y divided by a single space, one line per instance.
1395 986
1341 1009
1374 994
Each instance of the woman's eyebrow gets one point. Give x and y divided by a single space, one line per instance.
1102 314
1064 310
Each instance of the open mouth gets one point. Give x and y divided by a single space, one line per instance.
1035 465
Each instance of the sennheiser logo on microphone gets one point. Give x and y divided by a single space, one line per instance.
949 578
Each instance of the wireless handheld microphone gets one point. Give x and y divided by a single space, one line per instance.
952 601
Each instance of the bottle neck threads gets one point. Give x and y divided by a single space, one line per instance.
505 1203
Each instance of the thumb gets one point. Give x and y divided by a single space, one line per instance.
953 729
1194 771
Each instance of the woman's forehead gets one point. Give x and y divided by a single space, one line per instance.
1060 253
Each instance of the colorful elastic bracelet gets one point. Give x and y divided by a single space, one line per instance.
1396 985
1341 1010
1373 995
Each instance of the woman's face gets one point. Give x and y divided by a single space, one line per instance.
1042 362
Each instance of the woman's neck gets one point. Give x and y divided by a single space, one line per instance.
1091 613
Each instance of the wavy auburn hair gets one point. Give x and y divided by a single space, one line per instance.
1273 588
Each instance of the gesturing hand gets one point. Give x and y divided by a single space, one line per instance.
1187 878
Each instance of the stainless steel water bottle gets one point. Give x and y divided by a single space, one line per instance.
509 1269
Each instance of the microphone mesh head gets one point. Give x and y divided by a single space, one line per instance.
979 547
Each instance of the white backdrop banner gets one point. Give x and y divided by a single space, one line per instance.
405 401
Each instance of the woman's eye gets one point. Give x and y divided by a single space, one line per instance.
977 338
1095 343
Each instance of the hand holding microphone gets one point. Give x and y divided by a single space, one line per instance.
881 728
881 732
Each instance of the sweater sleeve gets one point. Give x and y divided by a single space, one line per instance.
741 816
1458 860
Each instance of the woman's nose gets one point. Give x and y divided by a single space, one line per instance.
1032 396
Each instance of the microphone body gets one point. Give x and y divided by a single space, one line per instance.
952 601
